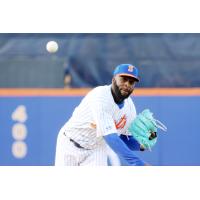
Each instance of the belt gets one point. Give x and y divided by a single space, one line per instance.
75 143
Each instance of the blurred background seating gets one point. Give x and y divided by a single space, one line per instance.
164 60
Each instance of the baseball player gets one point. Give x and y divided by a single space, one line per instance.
102 118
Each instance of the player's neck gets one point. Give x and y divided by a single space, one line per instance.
116 98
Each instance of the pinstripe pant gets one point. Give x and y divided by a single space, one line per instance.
67 154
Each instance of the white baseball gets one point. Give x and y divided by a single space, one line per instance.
52 46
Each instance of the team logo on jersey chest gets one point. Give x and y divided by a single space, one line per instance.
121 123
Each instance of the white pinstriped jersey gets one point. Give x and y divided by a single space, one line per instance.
98 115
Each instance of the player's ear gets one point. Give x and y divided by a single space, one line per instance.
113 79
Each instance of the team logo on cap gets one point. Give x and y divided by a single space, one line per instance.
130 68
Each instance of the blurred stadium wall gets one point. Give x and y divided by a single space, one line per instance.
31 118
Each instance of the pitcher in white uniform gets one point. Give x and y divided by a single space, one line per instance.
102 118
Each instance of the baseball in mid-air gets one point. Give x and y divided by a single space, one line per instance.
52 46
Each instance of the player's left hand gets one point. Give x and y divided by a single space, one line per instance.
153 135
144 129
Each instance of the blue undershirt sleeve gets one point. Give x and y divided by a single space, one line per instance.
120 148
130 142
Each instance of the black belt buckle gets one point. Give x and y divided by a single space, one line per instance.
76 144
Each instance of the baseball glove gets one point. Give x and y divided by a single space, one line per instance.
144 129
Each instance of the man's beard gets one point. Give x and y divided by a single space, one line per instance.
118 94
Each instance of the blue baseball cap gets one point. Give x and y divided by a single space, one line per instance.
127 70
